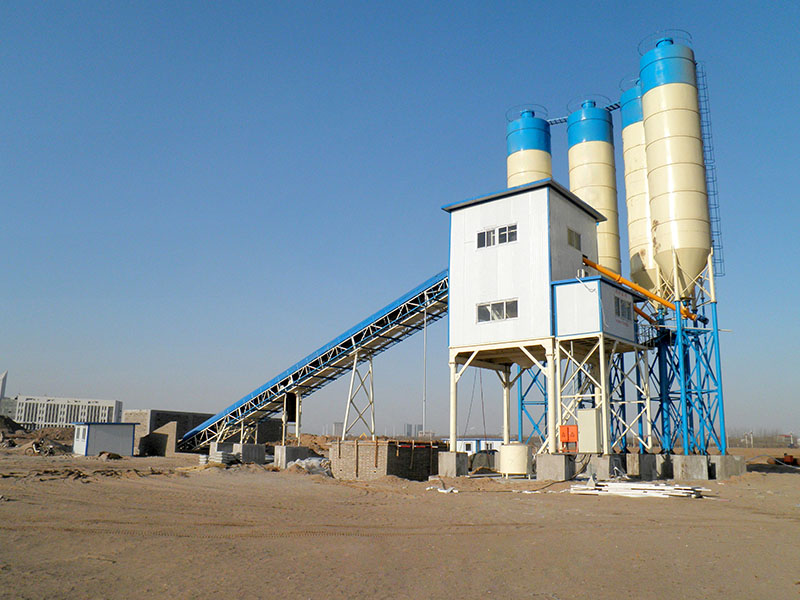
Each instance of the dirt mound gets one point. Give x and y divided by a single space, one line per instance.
8 425
56 434
319 444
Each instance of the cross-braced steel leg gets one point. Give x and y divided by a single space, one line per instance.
365 384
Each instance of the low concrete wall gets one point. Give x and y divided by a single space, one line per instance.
160 442
286 454
725 467
641 466
452 464
356 459
555 467
691 467
607 466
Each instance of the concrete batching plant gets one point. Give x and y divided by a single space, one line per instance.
603 364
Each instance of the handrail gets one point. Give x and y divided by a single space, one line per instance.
636 287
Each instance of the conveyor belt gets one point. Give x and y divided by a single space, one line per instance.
387 327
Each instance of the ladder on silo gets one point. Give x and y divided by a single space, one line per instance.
711 171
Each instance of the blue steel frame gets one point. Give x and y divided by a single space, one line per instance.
379 332
616 377
688 375
537 387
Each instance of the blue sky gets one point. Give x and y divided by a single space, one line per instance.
196 195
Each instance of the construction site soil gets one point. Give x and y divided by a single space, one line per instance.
73 527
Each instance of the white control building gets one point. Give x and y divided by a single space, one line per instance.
520 295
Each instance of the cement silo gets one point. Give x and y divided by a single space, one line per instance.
592 174
640 231
528 145
675 167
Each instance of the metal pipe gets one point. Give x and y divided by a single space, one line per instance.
648 294
425 365
453 406
645 316
553 395
506 405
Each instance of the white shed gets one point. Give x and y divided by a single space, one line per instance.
93 438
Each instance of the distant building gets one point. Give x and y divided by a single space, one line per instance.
413 430
147 420
36 412
473 445
8 406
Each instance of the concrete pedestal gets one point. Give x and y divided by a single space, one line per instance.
251 453
725 467
663 466
690 467
555 467
286 454
607 466
453 464
641 466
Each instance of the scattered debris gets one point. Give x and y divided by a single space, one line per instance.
225 458
314 465
109 456
443 489
637 490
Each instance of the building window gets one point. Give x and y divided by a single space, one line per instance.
507 234
623 309
486 238
501 235
497 311
574 239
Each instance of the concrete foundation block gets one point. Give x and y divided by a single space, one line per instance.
221 447
663 466
641 466
251 453
607 466
286 454
725 467
453 464
690 467
555 467
160 442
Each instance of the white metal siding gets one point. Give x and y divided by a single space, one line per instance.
517 270
577 308
110 438
621 328
566 260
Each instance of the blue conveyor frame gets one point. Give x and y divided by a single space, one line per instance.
379 332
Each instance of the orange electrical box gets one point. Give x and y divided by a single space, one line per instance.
568 434
569 438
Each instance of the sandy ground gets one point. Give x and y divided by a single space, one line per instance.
83 528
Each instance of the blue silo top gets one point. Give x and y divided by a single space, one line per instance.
589 124
668 62
528 132
631 105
